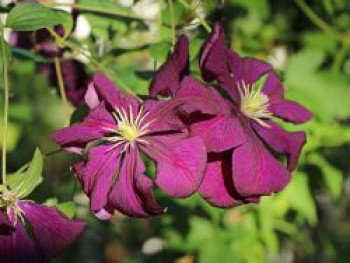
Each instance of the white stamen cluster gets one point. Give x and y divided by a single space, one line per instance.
129 129
254 104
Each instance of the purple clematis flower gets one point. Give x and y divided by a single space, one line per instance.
52 231
240 167
119 130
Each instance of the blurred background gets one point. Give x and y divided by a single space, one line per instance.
308 42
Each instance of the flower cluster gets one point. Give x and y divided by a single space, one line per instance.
220 142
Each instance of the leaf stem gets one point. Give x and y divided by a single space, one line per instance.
61 85
6 106
316 20
172 20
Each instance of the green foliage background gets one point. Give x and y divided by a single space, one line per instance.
307 222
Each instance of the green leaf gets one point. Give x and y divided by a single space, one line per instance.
23 183
33 16
160 51
67 208
333 177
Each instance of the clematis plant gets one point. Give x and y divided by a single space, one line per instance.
117 132
52 231
240 168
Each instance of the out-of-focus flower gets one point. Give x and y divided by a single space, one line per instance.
240 168
118 130
52 231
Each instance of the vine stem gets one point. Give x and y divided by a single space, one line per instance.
94 9
316 20
6 106
172 20
60 82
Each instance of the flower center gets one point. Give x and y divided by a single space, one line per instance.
8 198
254 104
129 129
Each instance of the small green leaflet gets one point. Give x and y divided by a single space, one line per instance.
33 16
24 182
67 208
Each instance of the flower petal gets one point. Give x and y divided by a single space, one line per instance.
255 171
6 226
75 137
53 231
213 59
168 77
290 111
219 133
197 97
17 247
109 92
97 173
132 192
288 143
217 186
180 163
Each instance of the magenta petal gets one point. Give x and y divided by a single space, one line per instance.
132 192
75 137
109 92
17 247
290 111
197 97
213 59
255 171
288 143
273 87
53 231
217 185
219 133
91 96
97 174
168 77
180 163
6 226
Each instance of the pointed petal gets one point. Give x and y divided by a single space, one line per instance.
53 231
132 192
255 171
17 247
97 173
290 111
109 92
6 226
273 87
217 186
75 137
219 133
180 163
91 96
287 143
213 59
168 77
197 97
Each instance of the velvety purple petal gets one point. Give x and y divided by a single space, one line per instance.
197 97
91 96
132 192
180 163
273 87
213 59
6 226
219 133
75 137
97 174
109 92
288 143
18 248
168 77
53 231
255 171
290 111
217 187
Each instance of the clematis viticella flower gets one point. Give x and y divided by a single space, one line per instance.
241 168
117 132
52 231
